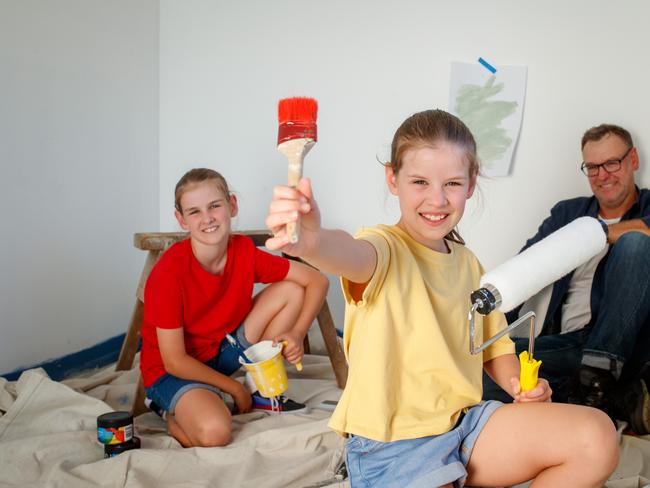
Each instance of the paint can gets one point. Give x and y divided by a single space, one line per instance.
267 368
112 450
115 428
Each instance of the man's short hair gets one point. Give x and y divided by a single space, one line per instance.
600 131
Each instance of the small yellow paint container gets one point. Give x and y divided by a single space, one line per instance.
267 368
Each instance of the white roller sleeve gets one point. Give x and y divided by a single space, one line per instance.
546 261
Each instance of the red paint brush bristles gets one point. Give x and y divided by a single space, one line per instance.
297 119
297 109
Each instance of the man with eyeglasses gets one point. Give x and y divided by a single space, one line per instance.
595 340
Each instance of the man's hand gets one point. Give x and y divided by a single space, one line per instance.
541 393
617 230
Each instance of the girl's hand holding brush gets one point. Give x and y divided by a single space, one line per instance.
330 250
293 205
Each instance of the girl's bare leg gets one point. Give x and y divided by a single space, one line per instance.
176 432
275 310
201 419
554 443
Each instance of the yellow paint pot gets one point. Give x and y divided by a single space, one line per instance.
267 368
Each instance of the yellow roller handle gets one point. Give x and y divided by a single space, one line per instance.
529 370
299 363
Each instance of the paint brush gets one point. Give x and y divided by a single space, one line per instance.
238 348
296 136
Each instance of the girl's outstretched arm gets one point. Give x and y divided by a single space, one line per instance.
332 251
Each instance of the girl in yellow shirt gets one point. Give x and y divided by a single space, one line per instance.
412 406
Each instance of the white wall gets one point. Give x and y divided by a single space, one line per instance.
79 156
80 130
370 64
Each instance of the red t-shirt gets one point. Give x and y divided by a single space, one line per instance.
180 293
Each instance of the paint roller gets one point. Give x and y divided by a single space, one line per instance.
524 275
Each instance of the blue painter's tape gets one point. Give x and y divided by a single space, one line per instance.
487 65
96 356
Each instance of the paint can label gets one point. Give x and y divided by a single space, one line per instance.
115 435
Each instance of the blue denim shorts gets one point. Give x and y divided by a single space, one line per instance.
168 389
414 463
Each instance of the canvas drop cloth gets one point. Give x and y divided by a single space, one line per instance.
48 438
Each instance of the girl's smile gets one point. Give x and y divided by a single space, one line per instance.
210 229
434 218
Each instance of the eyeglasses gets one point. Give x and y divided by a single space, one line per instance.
611 166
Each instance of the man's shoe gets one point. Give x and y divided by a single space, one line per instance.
632 403
280 404
593 387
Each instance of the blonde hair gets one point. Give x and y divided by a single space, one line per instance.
428 128
198 175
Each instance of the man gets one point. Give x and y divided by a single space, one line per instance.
595 340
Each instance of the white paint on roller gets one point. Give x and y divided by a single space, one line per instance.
559 253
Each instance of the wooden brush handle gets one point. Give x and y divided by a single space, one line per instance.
295 151
295 173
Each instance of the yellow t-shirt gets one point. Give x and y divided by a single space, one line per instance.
407 341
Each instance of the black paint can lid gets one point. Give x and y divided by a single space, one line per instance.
114 419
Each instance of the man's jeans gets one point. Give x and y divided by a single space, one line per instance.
618 340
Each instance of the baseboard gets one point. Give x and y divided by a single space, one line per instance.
96 356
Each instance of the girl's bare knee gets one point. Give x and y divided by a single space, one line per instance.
288 291
294 292
213 435
607 440
598 443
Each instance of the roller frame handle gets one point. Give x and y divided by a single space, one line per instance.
529 371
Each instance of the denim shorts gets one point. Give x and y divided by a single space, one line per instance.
168 389
414 463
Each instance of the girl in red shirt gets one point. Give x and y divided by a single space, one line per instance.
200 290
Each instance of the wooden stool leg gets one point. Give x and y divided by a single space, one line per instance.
132 339
334 350
138 406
